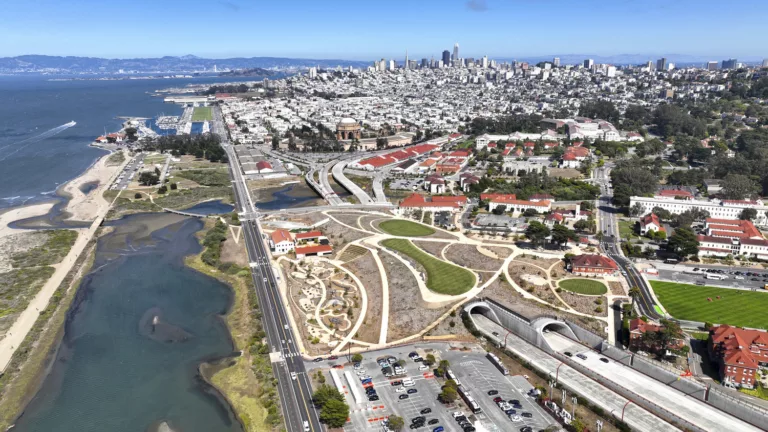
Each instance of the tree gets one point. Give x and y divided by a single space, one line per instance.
395 423
148 178
429 360
357 358
334 413
632 181
441 368
684 242
530 212
561 234
686 218
163 189
325 393
582 225
157 171
748 214
669 332
448 395
137 195
174 186
739 187
662 213
381 143
537 232
275 142
131 133
499 209
637 210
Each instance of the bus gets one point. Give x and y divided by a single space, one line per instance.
497 362
671 261
715 276
452 376
470 401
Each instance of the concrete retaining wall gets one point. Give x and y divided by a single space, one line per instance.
518 326
747 412
592 340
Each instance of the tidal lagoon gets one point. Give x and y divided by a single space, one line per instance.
141 325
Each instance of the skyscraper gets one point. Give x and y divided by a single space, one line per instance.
649 65
712 65
765 62
556 61
446 58
729 64
485 62
456 51
588 63
406 59
661 64
424 62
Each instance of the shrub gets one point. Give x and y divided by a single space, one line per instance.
137 195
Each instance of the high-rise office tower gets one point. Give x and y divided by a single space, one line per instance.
649 65
446 57
485 62
588 63
661 64
391 65
729 64
424 62
712 65
456 51
406 60
556 61
765 62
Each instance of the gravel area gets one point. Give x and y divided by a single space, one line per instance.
558 271
294 287
500 252
457 330
336 232
616 288
407 315
532 259
585 304
365 268
371 223
433 248
468 256
347 218
509 298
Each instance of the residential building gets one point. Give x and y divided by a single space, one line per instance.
592 264
712 66
514 205
435 184
314 250
280 242
718 209
434 204
729 64
739 352
556 61
589 63
650 222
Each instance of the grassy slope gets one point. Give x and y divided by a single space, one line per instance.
206 177
405 228
584 286
735 307
442 277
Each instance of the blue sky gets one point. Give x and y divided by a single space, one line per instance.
369 29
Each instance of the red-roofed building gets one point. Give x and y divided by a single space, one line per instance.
264 167
574 156
281 242
492 196
591 264
435 184
315 250
515 205
733 229
675 193
491 145
739 352
637 330
459 153
435 204
650 222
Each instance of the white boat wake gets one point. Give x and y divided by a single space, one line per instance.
37 138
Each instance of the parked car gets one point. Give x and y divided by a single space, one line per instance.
603 359
396 383
526 415
426 411
497 399
581 356
403 396
412 391
433 421
493 392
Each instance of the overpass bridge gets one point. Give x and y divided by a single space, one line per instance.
357 191
323 188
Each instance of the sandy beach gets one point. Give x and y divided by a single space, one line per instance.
85 207
19 213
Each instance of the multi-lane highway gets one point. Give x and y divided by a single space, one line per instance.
610 244
292 380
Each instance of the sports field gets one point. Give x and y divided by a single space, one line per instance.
405 228
200 114
735 307
442 277
584 286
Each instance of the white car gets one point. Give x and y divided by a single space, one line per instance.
739 277
400 389
293 375
457 414
423 367
515 418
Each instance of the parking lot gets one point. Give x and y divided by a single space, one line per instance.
685 274
129 172
480 376
472 368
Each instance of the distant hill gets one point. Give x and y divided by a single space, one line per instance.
188 63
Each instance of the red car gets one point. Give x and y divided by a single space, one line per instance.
497 399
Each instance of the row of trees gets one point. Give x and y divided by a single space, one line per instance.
204 146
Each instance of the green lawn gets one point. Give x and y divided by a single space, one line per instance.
627 228
200 114
442 277
405 228
734 307
206 177
584 286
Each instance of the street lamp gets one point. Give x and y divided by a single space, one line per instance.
574 401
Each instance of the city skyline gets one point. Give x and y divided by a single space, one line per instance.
301 29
